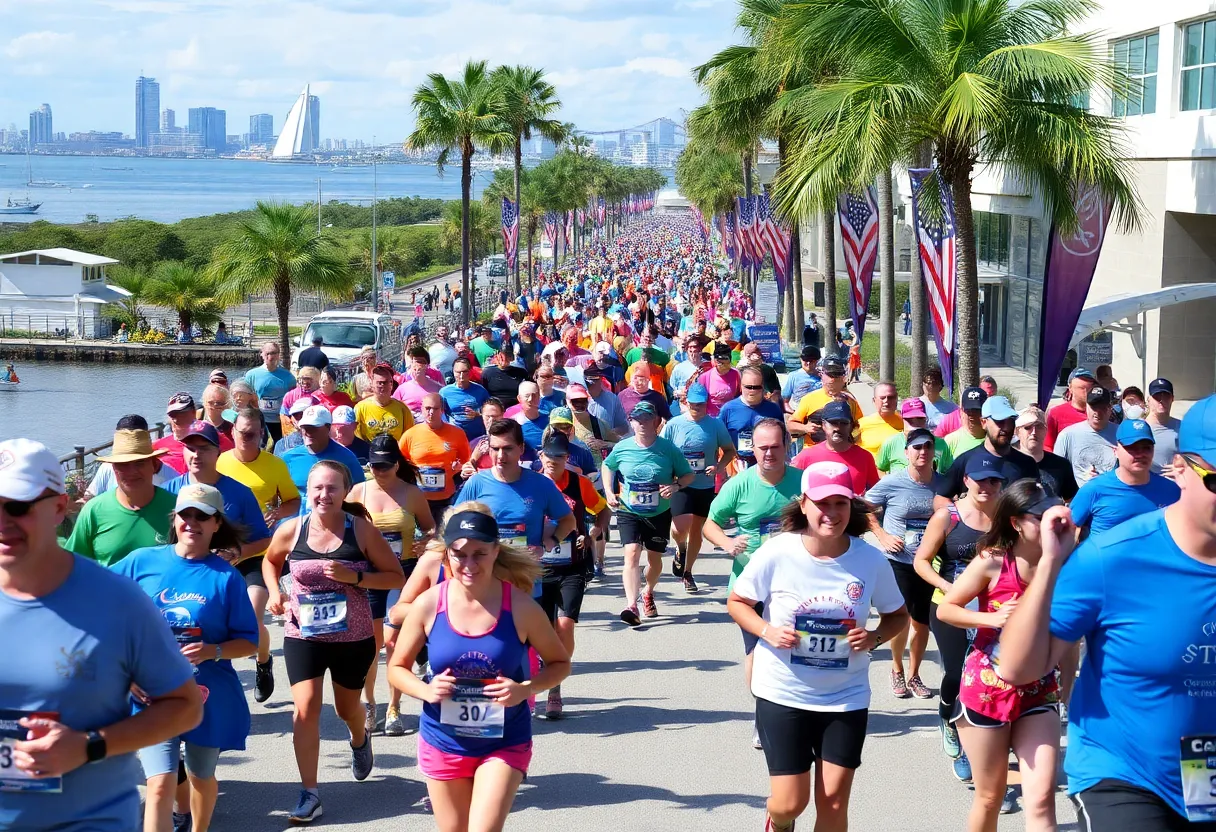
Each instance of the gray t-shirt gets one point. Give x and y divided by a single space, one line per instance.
936 411
1090 452
907 506
1166 437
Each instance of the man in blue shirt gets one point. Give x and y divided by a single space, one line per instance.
803 380
271 382
1128 491
605 405
77 637
741 414
1142 727
462 400
314 424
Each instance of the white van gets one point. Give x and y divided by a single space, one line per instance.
346 333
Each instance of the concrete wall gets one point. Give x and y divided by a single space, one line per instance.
1188 355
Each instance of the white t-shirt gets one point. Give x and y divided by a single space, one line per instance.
104 480
824 598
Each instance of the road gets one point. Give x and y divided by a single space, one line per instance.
657 737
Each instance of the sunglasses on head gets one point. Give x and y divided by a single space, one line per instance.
1208 476
20 508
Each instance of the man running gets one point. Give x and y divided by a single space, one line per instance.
530 417
740 415
1128 491
1054 471
605 405
998 426
381 413
271 382
443 351
181 413
343 431
463 398
885 422
1072 410
314 425
641 390
891 456
832 384
1165 427
439 451
838 446
936 407
803 380
1089 445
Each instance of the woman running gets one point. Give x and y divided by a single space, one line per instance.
992 715
398 509
475 737
952 537
334 557
203 600
817 581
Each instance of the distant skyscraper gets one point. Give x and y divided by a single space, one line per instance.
299 134
546 149
667 133
261 128
168 121
40 126
211 124
147 110
314 119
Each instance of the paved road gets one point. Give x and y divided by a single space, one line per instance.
658 736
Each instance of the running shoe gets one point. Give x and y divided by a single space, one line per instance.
598 577
308 809
630 616
769 826
369 722
263 683
394 726
553 707
1009 804
362 759
899 687
182 822
950 741
690 585
919 689
648 605
962 769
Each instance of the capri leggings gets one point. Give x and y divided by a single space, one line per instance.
952 646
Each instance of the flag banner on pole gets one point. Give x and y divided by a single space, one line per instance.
936 245
510 231
1071 261
569 226
601 210
776 239
747 218
551 229
729 241
859 238
582 217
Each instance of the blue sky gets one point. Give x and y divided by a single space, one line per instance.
616 63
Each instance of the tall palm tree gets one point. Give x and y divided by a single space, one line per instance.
128 310
460 114
528 105
886 277
278 250
192 295
981 80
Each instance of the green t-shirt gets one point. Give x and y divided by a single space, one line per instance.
891 456
106 531
643 470
961 441
653 355
483 351
756 507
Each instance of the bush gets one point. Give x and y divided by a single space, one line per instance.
842 298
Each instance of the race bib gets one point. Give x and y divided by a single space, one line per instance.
563 555
516 535
768 528
470 713
696 460
1198 760
395 542
821 642
745 442
267 405
322 613
187 635
431 479
914 530
13 779
642 495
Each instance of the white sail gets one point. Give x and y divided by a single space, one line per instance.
298 133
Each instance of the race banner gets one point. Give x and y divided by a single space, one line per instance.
510 232
859 239
938 258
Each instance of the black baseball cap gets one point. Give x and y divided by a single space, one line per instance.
722 351
592 371
383 450
470 525
836 412
831 365
1098 396
973 398
919 436
1160 385
984 466
556 445
810 353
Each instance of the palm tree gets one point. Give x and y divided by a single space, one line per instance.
461 114
981 80
484 228
528 104
192 295
135 282
278 250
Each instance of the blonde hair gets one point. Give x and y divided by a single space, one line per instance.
214 388
514 566
309 372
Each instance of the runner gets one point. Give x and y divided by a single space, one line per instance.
343 431
329 395
463 398
1054 471
475 737
420 382
640 390
936 407
891 456
652 469
438 450
1165 427
970 431
605 404
817 582
443 351
180 411
1128 491
705 442
832 385
308 382
1072 410
363 381
333 557
885 422
216 402
803 380
580 458
529 415
838 446
998 428
317 446
204 605
271 383
740 415
721 380
1089 445
503 378
381 413
295 438
103 480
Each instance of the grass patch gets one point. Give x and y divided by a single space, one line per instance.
273 331
428 273
903 363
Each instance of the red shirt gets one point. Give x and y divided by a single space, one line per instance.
338 399
1058 418
860 463
174 458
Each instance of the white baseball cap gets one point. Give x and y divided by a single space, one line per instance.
315 417
343 415
28 468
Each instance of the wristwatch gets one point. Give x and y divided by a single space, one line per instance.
358 578
95 746
218 651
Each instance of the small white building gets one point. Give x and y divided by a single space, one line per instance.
56 289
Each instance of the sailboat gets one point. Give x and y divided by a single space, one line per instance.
31 182
19 206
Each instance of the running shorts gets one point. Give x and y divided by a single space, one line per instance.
917 592
562 596
346 661
793 739
442 765
978 720
382 599
165 758
1118 806
251 570
652 532
694 501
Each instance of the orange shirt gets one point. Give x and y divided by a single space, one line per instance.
439 455
592 500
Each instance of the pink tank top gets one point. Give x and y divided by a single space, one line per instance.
983 690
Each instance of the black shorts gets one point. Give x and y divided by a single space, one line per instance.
652 532
694 501
562 595
1117 806
794 739
346 661
977 720
274 427
750 641
251 571
917 592
381 599
438 507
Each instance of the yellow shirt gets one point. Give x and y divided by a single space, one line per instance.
873 430
373 420
267 476
815 400
602 327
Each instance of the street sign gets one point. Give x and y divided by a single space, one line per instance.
390 279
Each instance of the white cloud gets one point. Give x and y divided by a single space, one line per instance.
184 59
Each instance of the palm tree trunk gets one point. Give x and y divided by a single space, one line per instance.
966 316
796 284
466 188
282 306
886 279
827 264
916 297
518 208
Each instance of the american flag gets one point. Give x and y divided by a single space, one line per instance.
601 211
729 241
551 228
859 239
936 242
774 239
748 254
510 231
582 217
569 227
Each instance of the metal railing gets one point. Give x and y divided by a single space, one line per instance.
53 327
80 466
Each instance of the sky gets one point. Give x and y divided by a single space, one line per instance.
615 63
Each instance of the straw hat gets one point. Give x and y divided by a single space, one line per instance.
132 446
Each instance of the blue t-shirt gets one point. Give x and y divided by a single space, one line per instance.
740 418
555 399
202 600
533 429
521 506
240 506
682 373
798 384
587 462
456 400
271 387
76 652
699 442
1106 501
1146 610
300 461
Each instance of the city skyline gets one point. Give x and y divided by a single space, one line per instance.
613 66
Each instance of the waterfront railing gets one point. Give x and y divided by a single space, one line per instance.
80 466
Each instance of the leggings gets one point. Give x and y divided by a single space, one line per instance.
952 647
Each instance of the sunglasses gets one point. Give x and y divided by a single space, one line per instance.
753 387
20 508
193 515
1208 477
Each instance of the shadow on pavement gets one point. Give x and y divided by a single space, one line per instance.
574 790
254 806
633 719
887 724
582 668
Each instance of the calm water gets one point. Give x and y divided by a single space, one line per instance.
67 404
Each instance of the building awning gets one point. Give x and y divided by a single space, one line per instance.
104 294
1118 308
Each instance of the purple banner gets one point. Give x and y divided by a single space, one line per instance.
1071 261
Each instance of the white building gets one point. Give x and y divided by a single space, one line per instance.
55 289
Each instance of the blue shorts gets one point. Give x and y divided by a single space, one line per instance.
163 759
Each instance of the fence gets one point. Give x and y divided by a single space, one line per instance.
80 466
53 327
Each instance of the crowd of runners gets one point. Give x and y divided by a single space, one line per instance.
451 512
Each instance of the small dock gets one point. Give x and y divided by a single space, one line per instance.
23 349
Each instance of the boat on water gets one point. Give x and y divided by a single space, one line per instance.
19 206
9 385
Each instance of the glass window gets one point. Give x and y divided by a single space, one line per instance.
1199 66
1136 58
